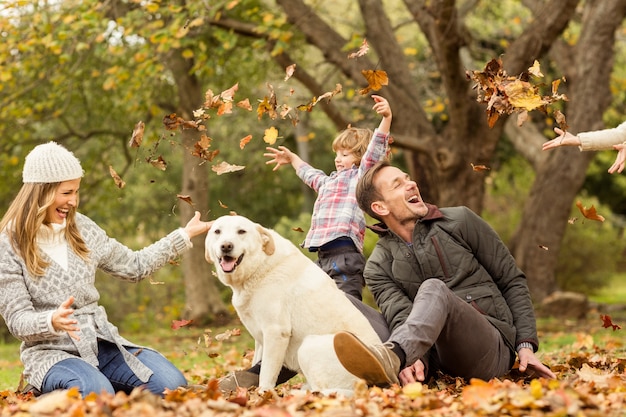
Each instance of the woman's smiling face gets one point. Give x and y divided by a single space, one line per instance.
65 199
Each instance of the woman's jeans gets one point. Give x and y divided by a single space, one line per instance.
113 374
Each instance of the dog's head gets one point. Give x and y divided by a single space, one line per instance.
233 239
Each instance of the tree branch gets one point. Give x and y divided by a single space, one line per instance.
550 20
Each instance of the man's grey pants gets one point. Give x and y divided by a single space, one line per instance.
466 343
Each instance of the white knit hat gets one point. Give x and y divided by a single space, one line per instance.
50 163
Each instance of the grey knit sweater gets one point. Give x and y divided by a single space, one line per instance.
26 303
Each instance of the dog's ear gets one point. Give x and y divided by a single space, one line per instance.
268 241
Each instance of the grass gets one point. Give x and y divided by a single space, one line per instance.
200 353
614 293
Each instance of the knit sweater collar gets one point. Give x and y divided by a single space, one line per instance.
52 234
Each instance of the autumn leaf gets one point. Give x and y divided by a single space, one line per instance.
607 322
229 94
289 71
201 148
177 324
375 80
153 282
523 95
271 134
330 94
297 229
244 104
589 213
225 108
268 105
225 167
363 49
173 122
119 182
159 163
222 205
535 69
560 120
186 198
479 167
243 142
504 94
227 334
211 100
137 136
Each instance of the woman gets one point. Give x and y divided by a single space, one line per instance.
49 254
596 140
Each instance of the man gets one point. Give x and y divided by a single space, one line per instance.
448 287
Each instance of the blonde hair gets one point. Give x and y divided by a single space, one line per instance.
353 140
27 214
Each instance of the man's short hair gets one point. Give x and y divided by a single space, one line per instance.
366 192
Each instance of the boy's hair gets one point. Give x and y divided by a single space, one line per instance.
26 215
354 140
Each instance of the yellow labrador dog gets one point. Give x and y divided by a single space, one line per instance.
288 304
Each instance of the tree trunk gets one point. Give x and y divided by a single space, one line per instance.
202 295
439 155
561 174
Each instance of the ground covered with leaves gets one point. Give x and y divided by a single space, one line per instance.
591 382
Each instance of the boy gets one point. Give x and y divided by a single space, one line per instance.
337 224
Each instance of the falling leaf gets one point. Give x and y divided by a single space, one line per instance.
607 322
229 94
159 163
173 122
535 69
186 198
244 104
271 134
222 205
201 148
523 95
225 108
227 334
297 229
364 49
522 117
589 213
375 80
152 282
243 142
211 101
289 71
330 94
119 182
560 119
572 220
137 136
225 167
543 247
480 167
268 105
505 94
177 324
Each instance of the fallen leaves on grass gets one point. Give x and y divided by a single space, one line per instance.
590 382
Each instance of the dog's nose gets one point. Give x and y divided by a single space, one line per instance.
226 247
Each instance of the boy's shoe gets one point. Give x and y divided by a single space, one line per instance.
376 364
230 382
